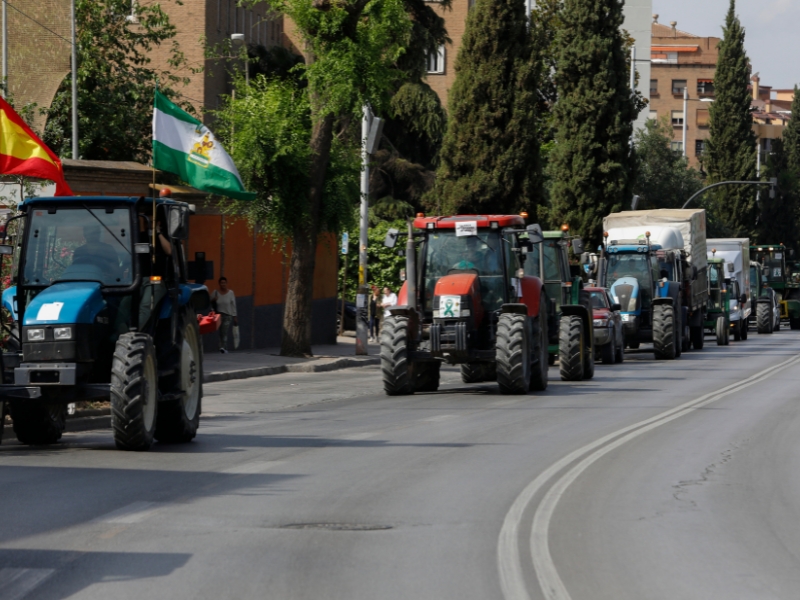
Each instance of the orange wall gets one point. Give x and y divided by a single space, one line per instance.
204 236
269 271
238 256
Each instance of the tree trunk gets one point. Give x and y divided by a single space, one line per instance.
296 338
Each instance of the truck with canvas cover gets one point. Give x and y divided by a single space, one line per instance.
466 301
569 309
772 261
681 235
102 310
736 253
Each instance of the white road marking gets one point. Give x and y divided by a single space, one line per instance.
509 562
355 437
17 583
439 418
132 513
252 468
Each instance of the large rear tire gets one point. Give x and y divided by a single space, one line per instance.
134 392
764 318
476 372
513 354
397 369
539 370
698 335
426 376
720 331
664 332
571 348
38 423
179 419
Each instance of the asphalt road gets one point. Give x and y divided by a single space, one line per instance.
654 480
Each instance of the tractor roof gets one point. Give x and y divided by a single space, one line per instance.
483 221
762 247
67 200
716 261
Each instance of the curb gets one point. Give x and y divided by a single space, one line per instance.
312 367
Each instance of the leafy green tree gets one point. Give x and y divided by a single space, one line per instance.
385 264
116 81
791 135
591 164
732 145
663 177
779 217
490 154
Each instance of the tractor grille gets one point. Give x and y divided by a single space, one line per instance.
623 293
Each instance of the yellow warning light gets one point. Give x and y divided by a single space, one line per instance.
565 227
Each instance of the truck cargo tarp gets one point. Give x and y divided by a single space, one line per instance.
691 222
736 250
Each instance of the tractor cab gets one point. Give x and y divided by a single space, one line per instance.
101 309
772 262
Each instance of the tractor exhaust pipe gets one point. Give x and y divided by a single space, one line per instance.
411 268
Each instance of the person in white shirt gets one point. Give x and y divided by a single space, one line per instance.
225 302
389 300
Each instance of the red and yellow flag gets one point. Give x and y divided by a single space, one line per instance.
23 153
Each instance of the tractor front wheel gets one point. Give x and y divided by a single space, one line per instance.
513 354
38 423
571 348
134 392
397 369
664 332
721 331
540 368
764 318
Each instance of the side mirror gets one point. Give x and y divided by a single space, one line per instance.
391 238
616 306
535 235
178 222
730 267
585 259
5 249
577 246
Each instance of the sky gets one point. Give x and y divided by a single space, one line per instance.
771 32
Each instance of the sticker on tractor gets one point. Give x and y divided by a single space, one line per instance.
450 307
50 311
466 228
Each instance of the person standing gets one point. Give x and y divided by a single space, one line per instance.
389 300
373 314
225 302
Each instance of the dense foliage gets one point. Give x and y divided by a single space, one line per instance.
385 263
779 217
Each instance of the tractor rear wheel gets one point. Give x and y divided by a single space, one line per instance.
178 419
397 369
720 331
426 376
664 332
38 423
794 323
764 318
540 368
513 354
571 349
134 392
474 372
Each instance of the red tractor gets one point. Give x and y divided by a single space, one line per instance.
467 301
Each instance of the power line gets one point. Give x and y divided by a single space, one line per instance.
27 16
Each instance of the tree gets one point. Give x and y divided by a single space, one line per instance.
791 136
115 81
663 177
732 145
591 163
780 216
490 154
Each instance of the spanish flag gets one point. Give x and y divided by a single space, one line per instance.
23 153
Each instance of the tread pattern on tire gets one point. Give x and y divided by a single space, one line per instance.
571 348
38 423
764 318
398 377
512 353
472 373
128 389
664 332
539 371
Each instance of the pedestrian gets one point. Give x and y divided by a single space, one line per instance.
389 300
224 302
374 327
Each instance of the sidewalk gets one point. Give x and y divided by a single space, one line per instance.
241 364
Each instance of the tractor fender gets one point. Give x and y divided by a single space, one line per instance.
194 294
667 300
532 291
578 310
67 302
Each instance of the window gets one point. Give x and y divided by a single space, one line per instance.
699 147
702 117
678 85
654 87
677 118
436 62
653 115
705 87
676 147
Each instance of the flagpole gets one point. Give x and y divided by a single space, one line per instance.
5 48
74 81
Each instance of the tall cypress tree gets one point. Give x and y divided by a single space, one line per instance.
791 136
490 154
732 145
591 165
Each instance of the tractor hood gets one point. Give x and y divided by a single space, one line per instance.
456 294
68 302
626 292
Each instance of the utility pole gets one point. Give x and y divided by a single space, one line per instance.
75 137
685 116
633 68
361 293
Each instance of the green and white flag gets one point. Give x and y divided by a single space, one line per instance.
184 146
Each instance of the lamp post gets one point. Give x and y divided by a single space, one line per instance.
772 183
75 151
237 39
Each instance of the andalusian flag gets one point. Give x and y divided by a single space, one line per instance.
184 146
23 153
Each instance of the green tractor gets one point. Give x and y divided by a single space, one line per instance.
569 307
718 316
101 309
771 259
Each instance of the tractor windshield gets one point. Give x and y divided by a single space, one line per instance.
640 266
482 254
771 262
716 285
79 244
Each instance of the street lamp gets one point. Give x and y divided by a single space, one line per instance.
237 39
772 183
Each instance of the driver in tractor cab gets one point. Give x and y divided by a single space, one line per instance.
95 252
482 258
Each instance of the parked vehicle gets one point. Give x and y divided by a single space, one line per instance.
609 340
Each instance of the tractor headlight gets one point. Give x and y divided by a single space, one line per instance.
62 333
35 335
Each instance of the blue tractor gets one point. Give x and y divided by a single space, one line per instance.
99 308
650 302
